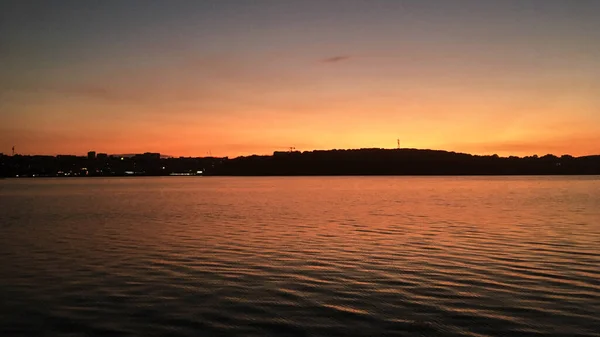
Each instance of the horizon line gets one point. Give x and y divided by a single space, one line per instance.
298 151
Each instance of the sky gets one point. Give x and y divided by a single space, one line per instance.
229 78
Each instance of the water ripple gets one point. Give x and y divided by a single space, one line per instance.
300 257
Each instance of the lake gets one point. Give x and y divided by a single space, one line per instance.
300 256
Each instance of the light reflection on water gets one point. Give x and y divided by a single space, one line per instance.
475 256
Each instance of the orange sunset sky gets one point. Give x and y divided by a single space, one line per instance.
188 78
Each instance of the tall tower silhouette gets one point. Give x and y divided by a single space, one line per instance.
13 150
398 142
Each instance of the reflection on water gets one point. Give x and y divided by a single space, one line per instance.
499 256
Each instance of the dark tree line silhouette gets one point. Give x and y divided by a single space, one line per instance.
403 162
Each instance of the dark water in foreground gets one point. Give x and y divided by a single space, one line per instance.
300 256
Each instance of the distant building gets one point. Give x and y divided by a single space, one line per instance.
91 155
102 156
285 153
149 155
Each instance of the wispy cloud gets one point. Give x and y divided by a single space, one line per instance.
95 91
336 59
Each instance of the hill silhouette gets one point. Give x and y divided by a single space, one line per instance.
403 162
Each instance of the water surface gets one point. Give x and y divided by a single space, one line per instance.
314 256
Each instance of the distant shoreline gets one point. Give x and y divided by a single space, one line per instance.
360 162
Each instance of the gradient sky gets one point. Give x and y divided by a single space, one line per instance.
241 77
